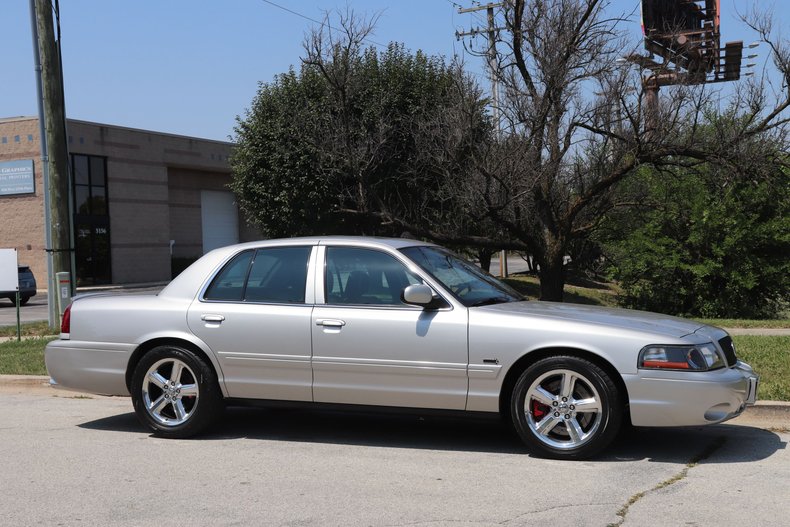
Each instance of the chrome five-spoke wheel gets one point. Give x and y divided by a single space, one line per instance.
175 392
563 409
170 392
566 407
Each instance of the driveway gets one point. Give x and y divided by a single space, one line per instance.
72 460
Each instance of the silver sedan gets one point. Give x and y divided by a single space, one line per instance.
393 323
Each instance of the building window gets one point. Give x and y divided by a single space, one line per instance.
91 219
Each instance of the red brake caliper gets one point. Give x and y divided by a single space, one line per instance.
538 409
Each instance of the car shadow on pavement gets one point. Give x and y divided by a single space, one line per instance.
733 444
127 422
725 443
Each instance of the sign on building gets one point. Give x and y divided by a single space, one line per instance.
17 177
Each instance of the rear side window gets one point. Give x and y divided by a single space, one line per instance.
276 275
229 283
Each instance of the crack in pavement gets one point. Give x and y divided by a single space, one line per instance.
707 452
505 522
501 522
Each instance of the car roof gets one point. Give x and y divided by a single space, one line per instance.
366 241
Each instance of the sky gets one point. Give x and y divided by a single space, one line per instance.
190 67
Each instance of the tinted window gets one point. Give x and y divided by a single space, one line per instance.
229 283
364 276
278 275
266 275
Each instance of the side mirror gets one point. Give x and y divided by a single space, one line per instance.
418 294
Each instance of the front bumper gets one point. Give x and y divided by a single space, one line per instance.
664 398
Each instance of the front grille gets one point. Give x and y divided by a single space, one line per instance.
729 351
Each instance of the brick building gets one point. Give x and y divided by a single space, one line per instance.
143 202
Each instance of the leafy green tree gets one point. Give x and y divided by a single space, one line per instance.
706 243
346 140
275 159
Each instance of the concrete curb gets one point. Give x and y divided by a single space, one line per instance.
24 380
774 410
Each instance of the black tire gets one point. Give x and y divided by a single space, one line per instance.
186 404
566 407
23 300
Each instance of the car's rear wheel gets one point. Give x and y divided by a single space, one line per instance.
566 407
175 393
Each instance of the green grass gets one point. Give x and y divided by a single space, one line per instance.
30 329
25 357
770 358
577 291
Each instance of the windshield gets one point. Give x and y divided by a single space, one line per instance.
470 284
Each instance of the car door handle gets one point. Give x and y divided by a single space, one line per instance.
216 319
330 322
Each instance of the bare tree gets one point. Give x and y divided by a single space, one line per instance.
580 120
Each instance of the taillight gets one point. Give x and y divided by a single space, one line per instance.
65 323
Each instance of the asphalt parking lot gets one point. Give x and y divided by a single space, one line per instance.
71 459
35 309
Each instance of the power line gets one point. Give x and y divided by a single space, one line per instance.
316 21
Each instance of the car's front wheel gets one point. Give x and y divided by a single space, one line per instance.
175 393
566 407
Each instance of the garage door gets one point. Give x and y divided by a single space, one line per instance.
220 218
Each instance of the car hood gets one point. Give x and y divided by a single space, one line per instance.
612 317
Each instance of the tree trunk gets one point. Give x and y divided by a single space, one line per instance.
484 257
552 280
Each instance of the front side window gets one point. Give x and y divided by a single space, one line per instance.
357 276
275 275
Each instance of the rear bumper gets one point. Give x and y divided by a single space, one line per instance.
91 367
660 398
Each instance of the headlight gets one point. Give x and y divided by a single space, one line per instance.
702 357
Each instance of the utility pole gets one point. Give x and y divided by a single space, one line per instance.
490 55
493 70
54 150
